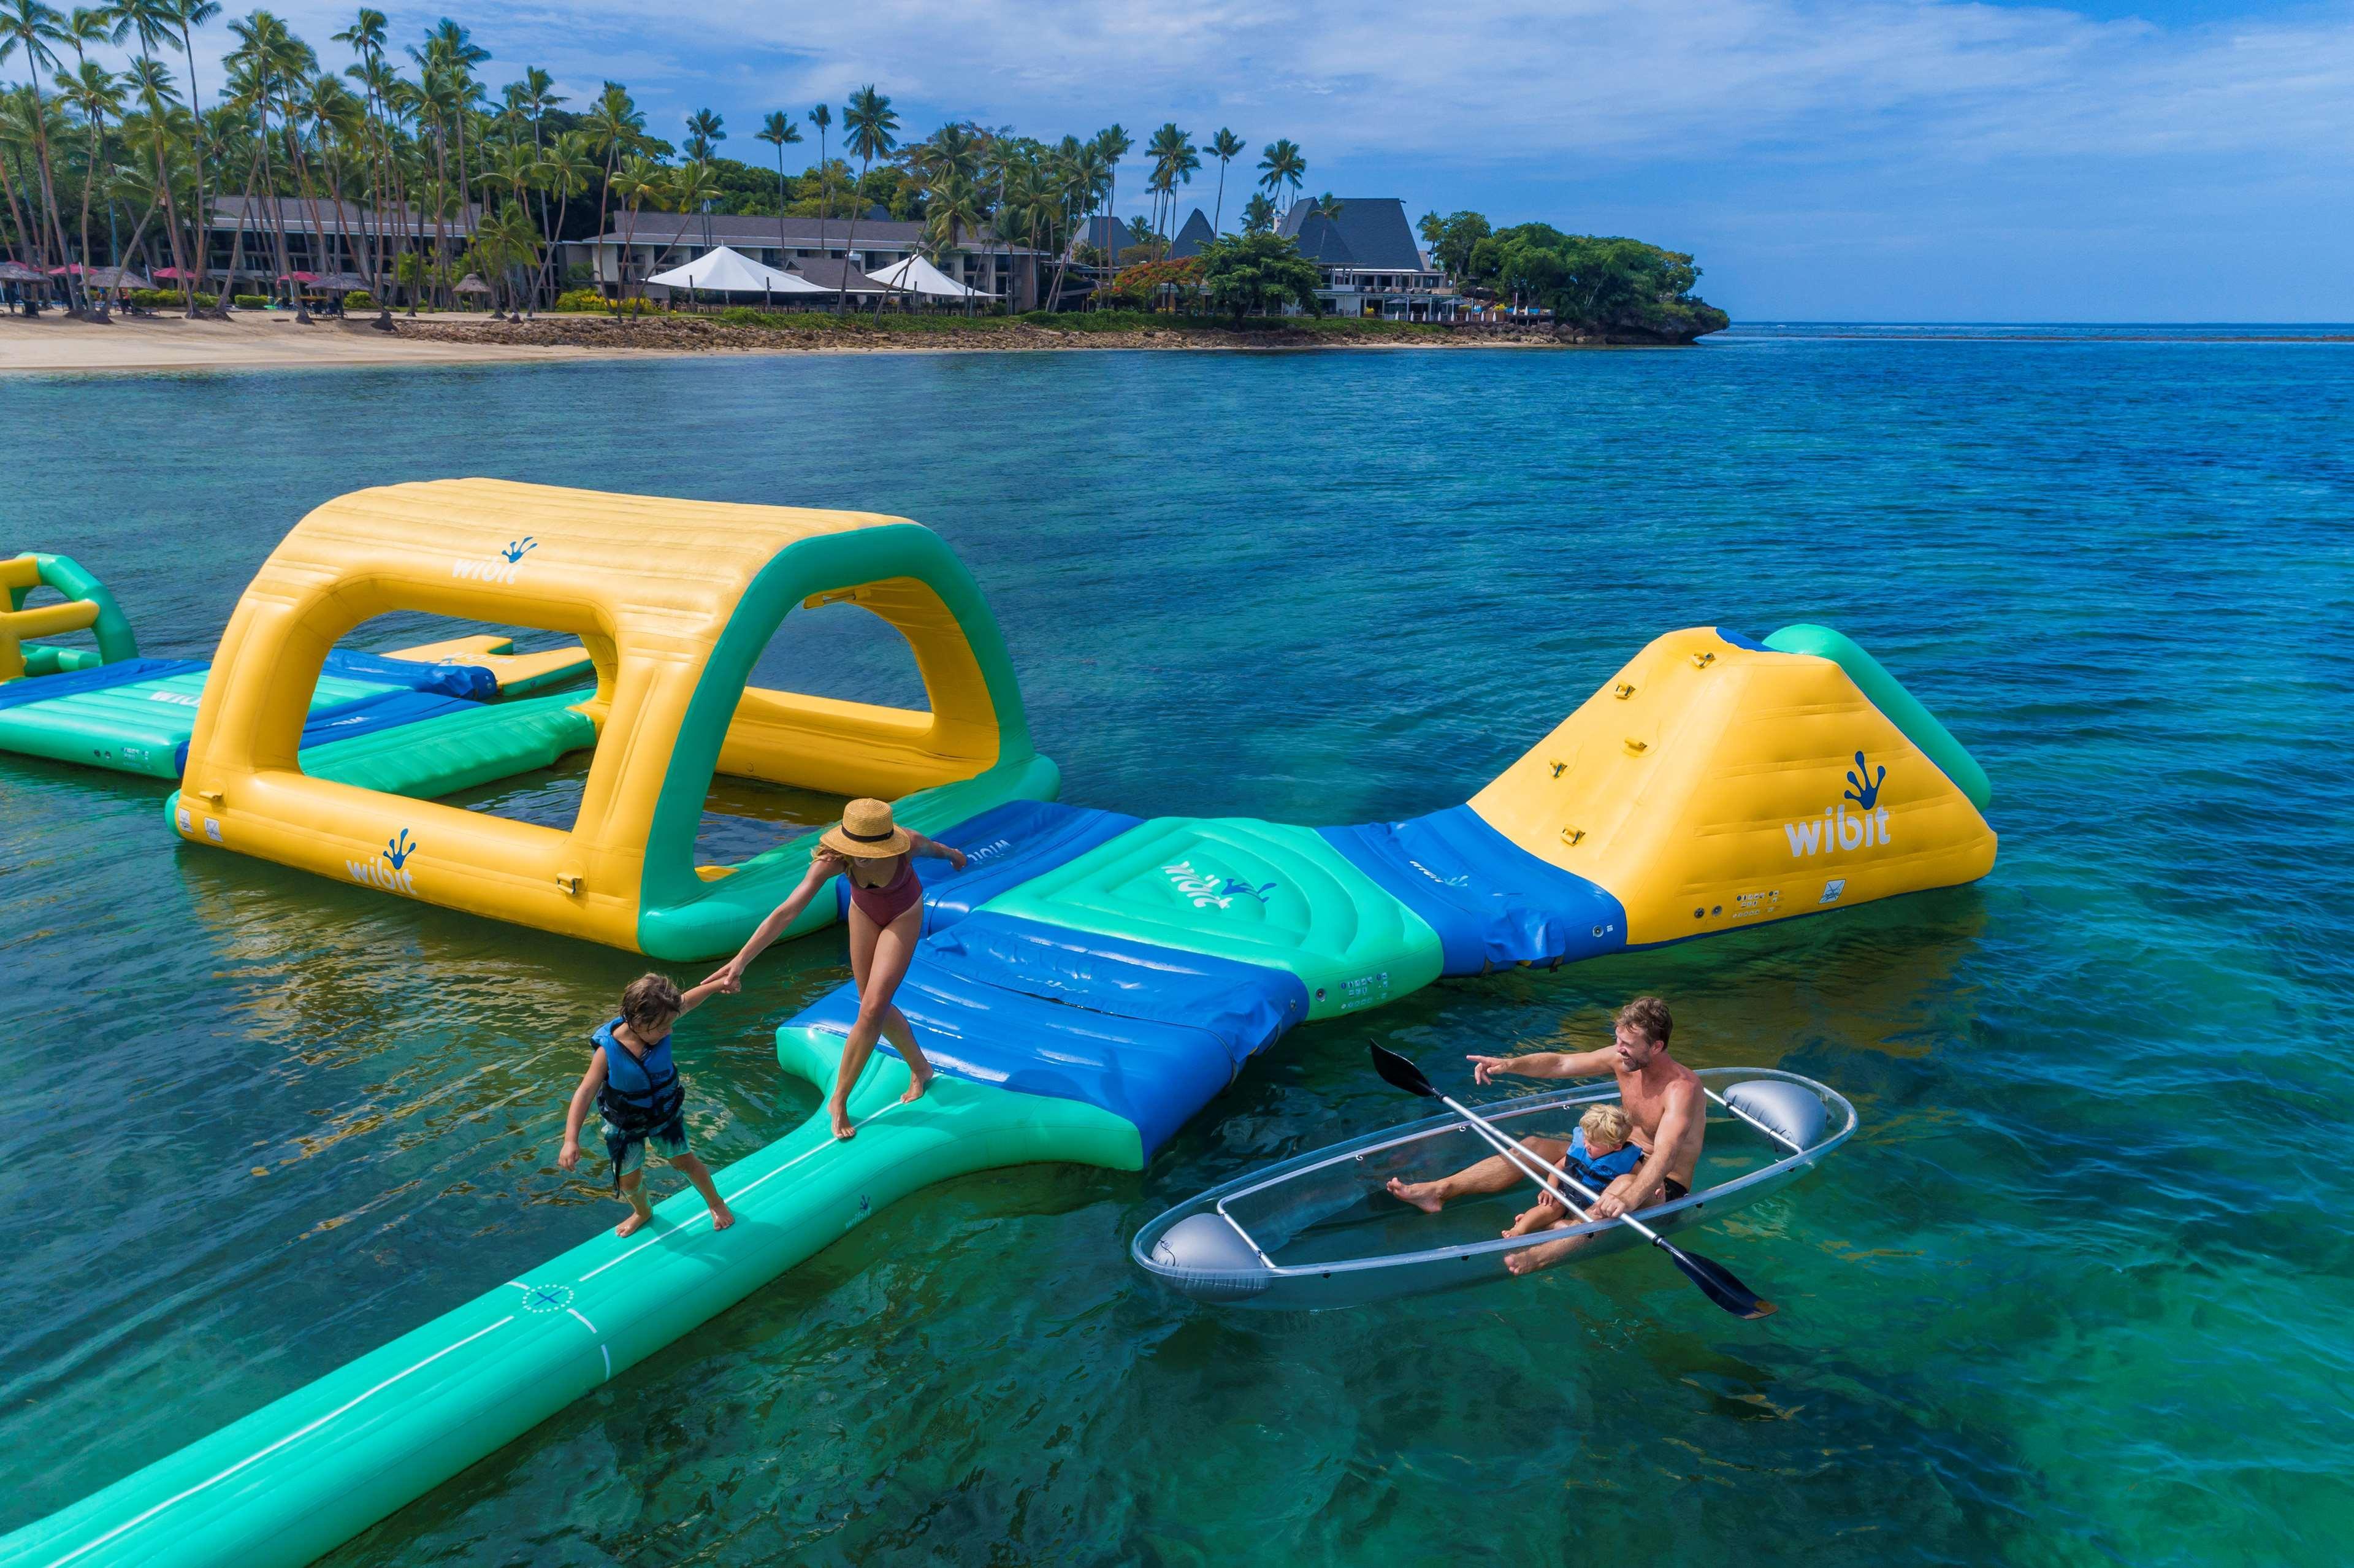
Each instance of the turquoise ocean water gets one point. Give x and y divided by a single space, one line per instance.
2077 1293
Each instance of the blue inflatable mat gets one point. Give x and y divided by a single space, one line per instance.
121 673
1004 846
1491 901
1155 1075
364 716
1244 1006
471 681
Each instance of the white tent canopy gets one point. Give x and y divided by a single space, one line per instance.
727 271
917 276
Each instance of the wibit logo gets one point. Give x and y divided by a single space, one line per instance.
502 565
1209 892
390 869
1839 828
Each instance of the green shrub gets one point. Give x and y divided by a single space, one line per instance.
160 299
359 299
583 300
251 301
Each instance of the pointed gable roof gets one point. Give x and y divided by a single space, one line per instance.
1318 237
1371 232
1193 239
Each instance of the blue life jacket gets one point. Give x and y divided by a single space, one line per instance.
1597 1174
641 1093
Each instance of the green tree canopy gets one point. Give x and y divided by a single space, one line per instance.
1589 280
1248 272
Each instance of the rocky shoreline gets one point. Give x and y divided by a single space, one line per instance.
710 334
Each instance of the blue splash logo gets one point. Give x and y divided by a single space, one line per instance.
1212 892
502 565
1839 828
389 871
1865 796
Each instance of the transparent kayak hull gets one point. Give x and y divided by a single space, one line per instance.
1319 1231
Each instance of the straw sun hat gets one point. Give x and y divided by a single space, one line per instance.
866 833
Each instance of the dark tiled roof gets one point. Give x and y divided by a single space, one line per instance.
1372 230
827 272
1193 239
729 228
1318 237
744 233
256 212
1113 235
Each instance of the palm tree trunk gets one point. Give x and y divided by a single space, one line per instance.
203 211
48 187
850 239
16 216
1220 210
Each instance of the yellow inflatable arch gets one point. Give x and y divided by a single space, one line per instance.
674 600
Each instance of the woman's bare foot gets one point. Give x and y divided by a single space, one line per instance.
1423 1195
918 1082
634 1223
843 1128
721 1218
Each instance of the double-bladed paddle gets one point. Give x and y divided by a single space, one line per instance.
1715 1281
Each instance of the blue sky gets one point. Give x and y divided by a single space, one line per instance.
1824 159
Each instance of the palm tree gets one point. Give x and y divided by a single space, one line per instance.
693 188
1259 214
822 117
1328 206
1281 165
94 92
615 126
1076 176
152 20
872 130
703 134
779 131
568 169
88 25
365 38
639 181
1174 160
952 204
1225 146
1113 141
508 243
34 27
161 123
26 240
190 15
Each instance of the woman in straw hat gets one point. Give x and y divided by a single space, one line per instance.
887 916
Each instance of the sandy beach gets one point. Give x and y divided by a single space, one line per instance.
247 341
272 341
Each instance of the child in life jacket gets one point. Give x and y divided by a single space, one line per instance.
635 1087
1600 1152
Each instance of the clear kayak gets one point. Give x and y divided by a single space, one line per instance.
1320 1230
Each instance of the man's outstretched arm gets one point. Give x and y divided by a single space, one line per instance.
1545 1064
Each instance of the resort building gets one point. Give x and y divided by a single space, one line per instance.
1370 263
827 252
323 239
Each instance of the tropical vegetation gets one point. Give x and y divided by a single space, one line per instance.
1608 284
107 165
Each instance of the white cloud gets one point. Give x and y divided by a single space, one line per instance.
1504 84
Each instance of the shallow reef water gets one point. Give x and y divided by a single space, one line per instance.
2076 1293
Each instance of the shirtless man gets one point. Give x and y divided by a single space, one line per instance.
1663 1096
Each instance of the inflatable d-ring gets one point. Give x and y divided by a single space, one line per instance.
88 606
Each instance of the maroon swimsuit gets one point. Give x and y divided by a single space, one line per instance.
885 904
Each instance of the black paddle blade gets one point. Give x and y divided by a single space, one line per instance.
1399 1073
1717 1283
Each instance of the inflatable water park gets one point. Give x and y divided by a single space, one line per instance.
1086 982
